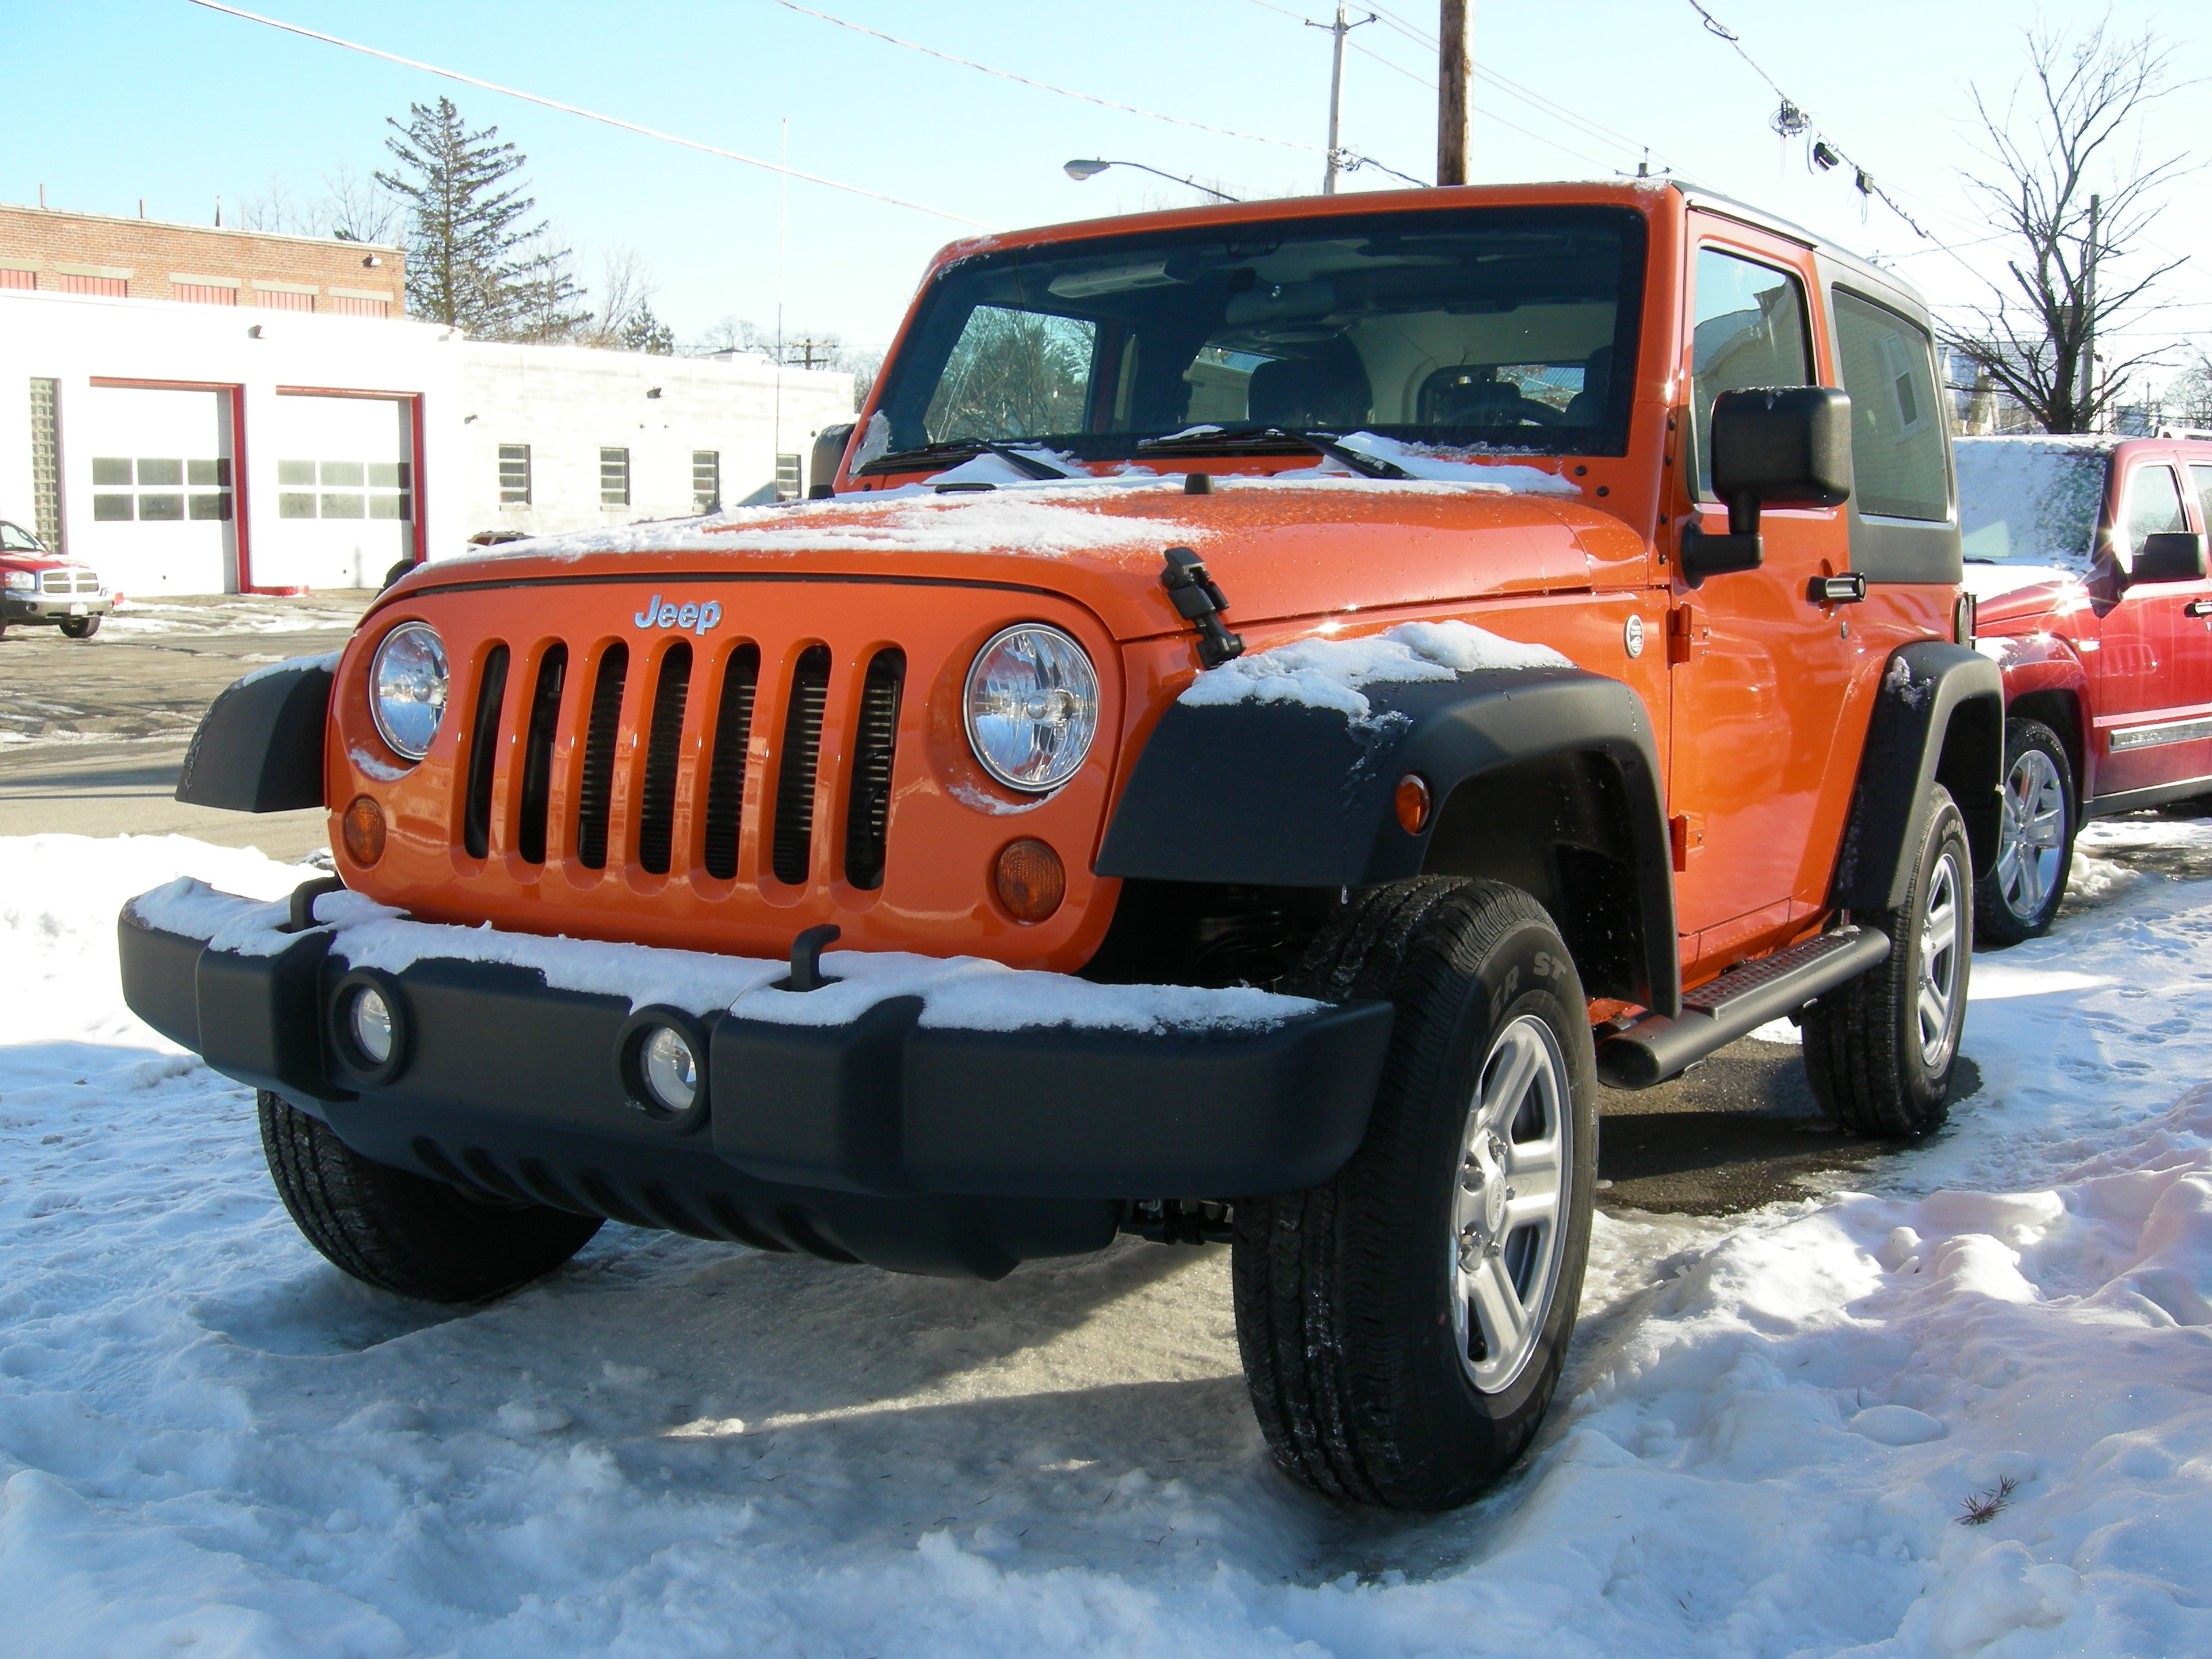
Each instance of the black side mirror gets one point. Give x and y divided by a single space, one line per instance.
2171 555
1772 447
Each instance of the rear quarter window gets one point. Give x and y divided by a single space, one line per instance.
1897 418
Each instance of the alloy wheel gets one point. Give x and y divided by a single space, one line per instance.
1942 922
1508 1202
2031 835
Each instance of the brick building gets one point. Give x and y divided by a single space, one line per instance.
47 249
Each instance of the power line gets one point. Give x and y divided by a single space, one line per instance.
1047 86
590 115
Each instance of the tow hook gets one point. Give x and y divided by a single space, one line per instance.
807 949
1200 602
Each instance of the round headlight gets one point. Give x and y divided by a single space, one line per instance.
1031 706
407 688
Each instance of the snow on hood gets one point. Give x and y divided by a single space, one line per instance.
1328 673
328 661
959 993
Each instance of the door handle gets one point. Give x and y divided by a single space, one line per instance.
1837 590
2200 608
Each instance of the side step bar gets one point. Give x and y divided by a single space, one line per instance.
1741 1000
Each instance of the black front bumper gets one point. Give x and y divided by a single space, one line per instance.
915 1147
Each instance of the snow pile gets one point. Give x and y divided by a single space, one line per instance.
959 993
1772 1432
2031 500
1328 673
237 614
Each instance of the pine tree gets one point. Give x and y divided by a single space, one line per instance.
643 331
469 264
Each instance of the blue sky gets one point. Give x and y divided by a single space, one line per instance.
162 99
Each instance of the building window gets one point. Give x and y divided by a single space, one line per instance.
12 277
706 480
787 478
614 477
114 287
269 299
151 489
335 490
203 294
352 305
514 475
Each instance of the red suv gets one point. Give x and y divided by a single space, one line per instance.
2087 556
46 590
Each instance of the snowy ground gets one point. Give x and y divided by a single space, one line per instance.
212 1443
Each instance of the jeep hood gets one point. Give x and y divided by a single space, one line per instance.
1280 548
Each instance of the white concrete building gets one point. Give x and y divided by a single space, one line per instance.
183 449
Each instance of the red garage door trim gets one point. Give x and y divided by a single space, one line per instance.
240 518
415 443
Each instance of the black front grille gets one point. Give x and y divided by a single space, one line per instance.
656 813
802 759
595 789
483 754
868 805
726 773
537 754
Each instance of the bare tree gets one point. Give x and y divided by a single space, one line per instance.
2074 204
356 209
275 209
2188 396
801 349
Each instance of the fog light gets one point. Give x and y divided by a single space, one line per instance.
1030 880
364 830
369 1021
1413 802
669 1069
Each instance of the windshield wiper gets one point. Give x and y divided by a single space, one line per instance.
956 450
1267 440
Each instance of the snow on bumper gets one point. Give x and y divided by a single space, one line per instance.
908 1076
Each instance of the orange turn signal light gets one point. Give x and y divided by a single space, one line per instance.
364 830
1030 880
1412 803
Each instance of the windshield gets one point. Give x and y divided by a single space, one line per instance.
13 538
1506 328
2024 501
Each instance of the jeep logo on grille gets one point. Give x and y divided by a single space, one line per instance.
666 613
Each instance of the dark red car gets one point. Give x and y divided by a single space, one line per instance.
2088 556
39 588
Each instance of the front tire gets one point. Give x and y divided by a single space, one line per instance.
404 1233
1403 1325
80 627
1878 1048
2021 895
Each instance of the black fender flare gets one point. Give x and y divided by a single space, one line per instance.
1938 717
1283 794
259 746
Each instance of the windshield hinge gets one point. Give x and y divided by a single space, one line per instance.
1200 603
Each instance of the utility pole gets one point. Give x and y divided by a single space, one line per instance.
2085 416
1455 68
1338 30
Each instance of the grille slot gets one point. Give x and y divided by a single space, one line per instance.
656 813
595 790
725 776
57 581
483 754
868 806
802 759
537 753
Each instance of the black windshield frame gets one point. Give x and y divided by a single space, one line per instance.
1599 246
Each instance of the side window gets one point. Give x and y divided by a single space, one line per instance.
1014 374
2154 506
1750 330
2203 475
1897 438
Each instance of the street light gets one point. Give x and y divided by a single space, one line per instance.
1079 171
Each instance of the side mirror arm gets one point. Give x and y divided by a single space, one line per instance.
1702 555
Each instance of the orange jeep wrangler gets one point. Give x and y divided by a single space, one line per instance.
1284 699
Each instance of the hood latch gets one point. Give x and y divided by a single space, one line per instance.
1200 602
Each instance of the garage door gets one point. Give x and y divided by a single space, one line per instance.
344 492
155 467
